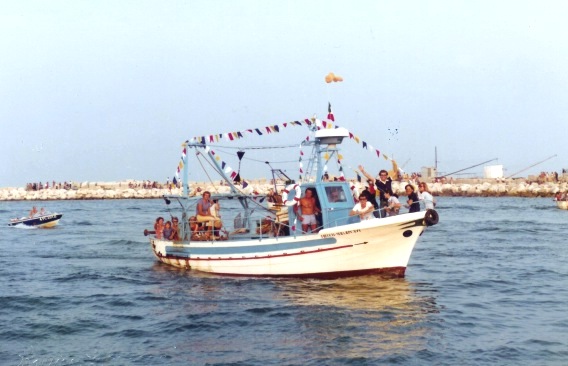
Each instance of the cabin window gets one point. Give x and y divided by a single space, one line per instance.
335 194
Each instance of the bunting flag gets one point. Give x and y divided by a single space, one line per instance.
235 176
236 135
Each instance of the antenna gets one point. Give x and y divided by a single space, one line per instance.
436 159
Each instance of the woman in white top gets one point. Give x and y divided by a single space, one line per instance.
214 209
425 195
363 209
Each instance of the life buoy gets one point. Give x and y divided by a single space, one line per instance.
286 191
431 218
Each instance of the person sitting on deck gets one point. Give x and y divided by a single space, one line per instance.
167 230
196 228
159 227
203 212
175 229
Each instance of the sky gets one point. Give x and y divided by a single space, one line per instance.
109 90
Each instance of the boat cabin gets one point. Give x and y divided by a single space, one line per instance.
334 199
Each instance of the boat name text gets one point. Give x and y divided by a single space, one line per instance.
347 232
47 217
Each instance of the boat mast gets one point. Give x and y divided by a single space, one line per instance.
185 173
436 159
325 141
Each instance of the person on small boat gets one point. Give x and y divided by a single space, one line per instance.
363 209
413 203
308 208
425 195
33 212
42 211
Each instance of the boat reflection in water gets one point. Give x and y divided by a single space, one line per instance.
367 319
372 316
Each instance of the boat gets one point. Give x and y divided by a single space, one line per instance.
46 220
268 241
561 201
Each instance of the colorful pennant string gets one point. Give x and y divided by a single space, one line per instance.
232 136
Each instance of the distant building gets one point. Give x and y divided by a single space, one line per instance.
493 171
428 172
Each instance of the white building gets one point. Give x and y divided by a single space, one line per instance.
493 171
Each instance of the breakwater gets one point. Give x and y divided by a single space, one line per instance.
133 190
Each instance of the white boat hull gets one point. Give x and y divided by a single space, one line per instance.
563 205
372 246
40 221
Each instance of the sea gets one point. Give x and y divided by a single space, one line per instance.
486 286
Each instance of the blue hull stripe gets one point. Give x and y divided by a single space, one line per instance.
184 256
218 249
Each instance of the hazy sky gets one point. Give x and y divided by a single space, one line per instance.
108 90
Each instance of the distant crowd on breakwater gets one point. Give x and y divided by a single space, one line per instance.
544 185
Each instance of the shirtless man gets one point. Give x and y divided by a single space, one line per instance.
309 209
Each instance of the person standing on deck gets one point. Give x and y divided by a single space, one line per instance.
425 195
413 203
309 209
383 184
363 209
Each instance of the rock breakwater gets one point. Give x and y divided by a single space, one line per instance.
126 190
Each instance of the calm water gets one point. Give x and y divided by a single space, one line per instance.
486 286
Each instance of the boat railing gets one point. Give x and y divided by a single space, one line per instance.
271 227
